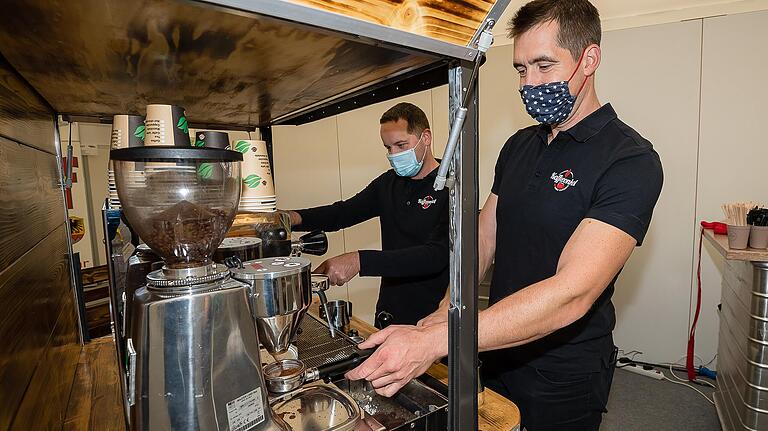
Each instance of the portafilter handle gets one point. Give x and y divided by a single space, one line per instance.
314 243
329 371
319 286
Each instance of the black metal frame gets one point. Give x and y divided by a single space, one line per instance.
171 153
420 80
462 315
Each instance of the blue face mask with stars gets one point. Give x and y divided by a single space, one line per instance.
550 103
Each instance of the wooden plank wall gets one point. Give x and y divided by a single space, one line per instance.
453 21
38 326
31 206
23 116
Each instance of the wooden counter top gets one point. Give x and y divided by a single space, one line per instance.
496 414
720 242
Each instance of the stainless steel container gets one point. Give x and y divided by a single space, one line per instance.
742 355
284 375
281 291
244 248
319 408
195 362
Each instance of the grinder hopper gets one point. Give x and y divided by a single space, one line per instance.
281 291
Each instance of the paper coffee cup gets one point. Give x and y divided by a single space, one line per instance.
166 125
256 170
211 139
127 131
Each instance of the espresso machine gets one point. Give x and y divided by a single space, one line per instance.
192 347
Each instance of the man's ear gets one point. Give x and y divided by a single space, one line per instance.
427 137
592 57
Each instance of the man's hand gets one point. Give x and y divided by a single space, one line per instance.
439 316
295 218
340 269
404 353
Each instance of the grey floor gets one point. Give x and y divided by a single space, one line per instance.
641 403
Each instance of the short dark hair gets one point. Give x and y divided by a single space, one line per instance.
412 114
579 22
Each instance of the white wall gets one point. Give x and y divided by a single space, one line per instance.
94 142
733 147
651 76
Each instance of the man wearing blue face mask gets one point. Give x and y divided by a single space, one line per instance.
413 262
571 199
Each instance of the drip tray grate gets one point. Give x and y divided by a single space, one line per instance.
317 348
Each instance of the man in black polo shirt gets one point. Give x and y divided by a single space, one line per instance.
572 197
413 261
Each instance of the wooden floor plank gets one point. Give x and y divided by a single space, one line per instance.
96 403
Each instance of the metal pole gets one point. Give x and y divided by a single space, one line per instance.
462 315
266 136
81 324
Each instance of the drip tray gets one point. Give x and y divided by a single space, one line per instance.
415 407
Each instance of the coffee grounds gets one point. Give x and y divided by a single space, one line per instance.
187 234
285 370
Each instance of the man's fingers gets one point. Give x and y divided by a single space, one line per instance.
377 338
322 268
391 390
384 381
365 369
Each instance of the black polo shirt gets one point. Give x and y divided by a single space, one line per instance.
414 255
600 169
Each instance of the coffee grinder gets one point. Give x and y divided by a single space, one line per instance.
193 349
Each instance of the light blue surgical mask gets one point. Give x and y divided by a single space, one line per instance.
405 163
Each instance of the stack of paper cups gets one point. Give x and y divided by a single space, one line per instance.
258 188
166 125
127 131
209 171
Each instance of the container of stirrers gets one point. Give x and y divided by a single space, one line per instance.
736 219
757 218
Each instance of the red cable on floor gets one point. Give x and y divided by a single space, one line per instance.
692 337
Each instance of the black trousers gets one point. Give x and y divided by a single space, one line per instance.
554 401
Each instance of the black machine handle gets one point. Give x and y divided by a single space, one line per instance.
383 319
314 243
341 367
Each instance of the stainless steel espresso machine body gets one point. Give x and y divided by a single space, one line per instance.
197 364
193 349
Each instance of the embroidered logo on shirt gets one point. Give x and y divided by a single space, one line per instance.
427 201
563 180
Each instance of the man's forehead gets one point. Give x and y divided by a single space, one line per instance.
540 41
400 124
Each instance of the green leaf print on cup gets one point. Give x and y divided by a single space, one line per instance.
242 146
139 132
205 170
252 181
183 125
199 143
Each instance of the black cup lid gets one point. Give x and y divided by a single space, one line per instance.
174 154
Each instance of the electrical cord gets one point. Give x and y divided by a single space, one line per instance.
689 386
699 382
627 362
